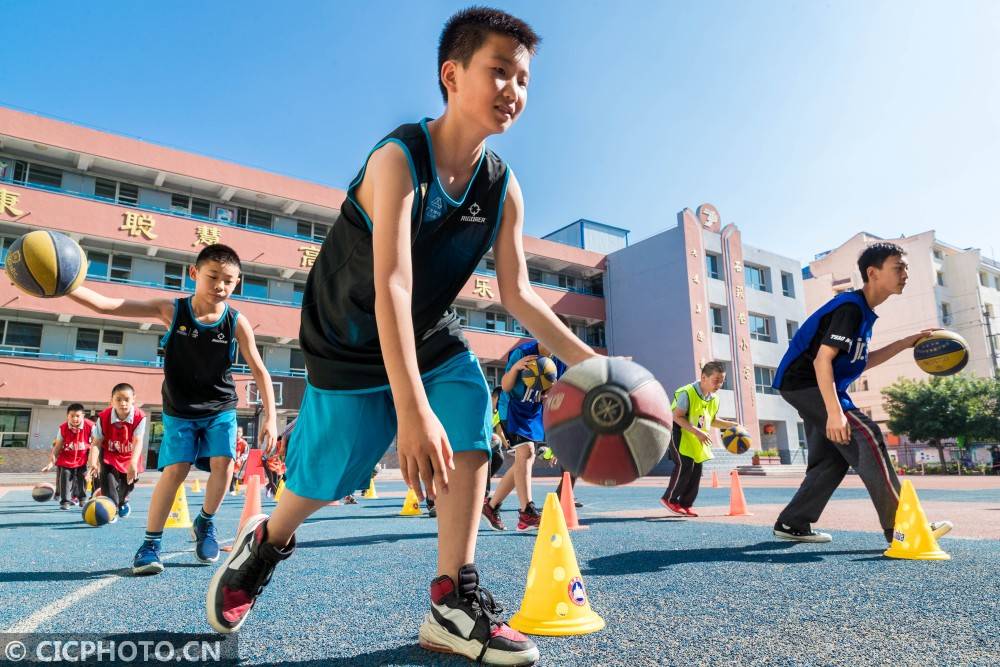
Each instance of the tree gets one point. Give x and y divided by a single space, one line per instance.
936 409
985 424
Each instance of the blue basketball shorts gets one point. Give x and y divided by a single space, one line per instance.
197 440
341 435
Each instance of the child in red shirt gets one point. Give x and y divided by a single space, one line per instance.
116 454
69 456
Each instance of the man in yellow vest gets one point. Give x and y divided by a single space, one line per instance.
695 408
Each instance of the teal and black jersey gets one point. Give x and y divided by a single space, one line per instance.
197 361
338 335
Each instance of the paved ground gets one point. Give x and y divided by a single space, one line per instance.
673 592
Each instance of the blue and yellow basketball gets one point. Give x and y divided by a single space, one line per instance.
540 373
941 353
736 440
99 511
46 264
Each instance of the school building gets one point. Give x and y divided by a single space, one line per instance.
948 287
142 212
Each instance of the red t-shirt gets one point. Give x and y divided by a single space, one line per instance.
117 447
241 448
75 445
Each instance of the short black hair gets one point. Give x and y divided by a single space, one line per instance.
466 31
75 407
217 252
875 255
123 386
713 367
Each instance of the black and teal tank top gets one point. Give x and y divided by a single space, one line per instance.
197 361
338 334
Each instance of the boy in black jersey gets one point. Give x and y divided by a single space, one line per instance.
199 395
383 346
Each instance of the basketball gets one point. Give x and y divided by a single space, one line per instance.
941 353
46 264
99 511
736 440
43 492
539 374
608 421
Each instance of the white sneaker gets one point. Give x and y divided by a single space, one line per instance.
786 532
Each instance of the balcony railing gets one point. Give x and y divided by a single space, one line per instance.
157 209
239 369
164 286
575 290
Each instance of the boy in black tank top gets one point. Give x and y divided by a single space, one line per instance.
384 352
199 395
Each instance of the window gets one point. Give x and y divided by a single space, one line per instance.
253 219
945 313
984 279
567 282
760 328
5 243
764 378
99 343
861 384
788 284
45 176
315 231
253 288
241 361
516 327
728 382
98 265
496 321
596 285
989 311
758 277
15 424
201 207
712 266
996 282
595 335
298 292
494 374
106 189
297 361
463 316
938 254
173 276
21 337
718 316
534 275
125 194
180 203
801 429
792 327
121 268
128 194
940 278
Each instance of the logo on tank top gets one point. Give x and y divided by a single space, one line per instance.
434 209
473 215
220 338
182 330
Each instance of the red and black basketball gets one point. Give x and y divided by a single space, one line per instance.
608 421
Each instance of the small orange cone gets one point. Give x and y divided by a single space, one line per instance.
555 601
715 480
912 538
569 504
737 503
251 506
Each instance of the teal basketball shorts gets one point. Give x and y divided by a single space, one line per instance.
340 436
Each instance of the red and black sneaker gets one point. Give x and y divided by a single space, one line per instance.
465 620
492 515
528 518
236 585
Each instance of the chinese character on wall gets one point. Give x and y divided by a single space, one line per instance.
742 318
205 235
739 292
737 266
695 279
138 223
309 254
8 203
483 289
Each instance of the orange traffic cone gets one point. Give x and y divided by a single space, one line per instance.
555 602
569 504
737 503
715 480
251 506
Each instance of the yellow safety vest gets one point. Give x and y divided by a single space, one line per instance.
701 414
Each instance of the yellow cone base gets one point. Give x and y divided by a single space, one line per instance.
912 538
370 493
279 491
411 506
555 602
179 516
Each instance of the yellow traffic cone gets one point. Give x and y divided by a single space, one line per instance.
371 492
196 486
236 488
179 516
555 601
411 506
912 537
89 486
279 490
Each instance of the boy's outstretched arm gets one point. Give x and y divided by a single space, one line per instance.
162 309
248 348
516 293
425 454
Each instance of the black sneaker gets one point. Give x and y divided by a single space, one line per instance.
786 532
236 585
492 515
465 620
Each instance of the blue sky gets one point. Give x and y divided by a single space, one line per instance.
803 122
